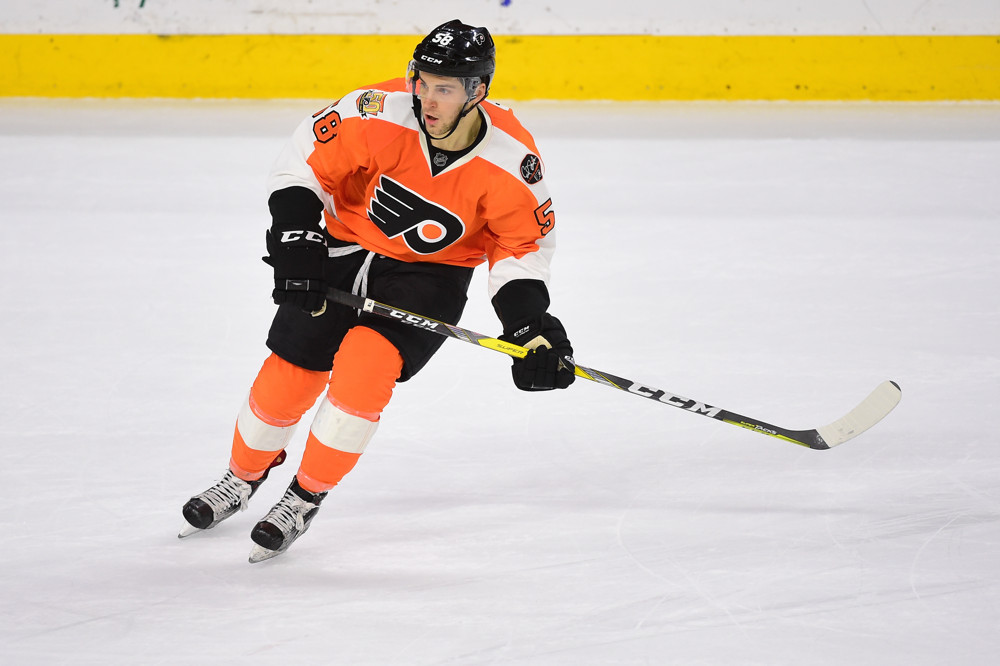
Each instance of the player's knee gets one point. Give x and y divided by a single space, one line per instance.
365 371
283 391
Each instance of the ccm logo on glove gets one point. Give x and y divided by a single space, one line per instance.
295 236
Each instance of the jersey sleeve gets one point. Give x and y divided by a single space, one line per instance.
323 150
518 246
520 219
292 169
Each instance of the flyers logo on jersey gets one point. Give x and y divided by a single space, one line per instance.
424 226
371 103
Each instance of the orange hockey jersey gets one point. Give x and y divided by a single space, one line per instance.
368 161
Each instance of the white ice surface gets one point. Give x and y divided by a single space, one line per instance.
775 260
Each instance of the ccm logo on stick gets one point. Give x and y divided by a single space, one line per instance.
414 320
674 400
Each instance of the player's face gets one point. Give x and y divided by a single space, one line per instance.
442 99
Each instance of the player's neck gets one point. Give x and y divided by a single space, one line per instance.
464 135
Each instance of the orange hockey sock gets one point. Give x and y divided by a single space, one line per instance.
323 466
365 371
279 397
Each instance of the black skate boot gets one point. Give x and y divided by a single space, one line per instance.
231 494
285 522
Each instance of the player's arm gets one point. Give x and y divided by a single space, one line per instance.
296 244
520 254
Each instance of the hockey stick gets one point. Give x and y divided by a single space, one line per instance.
870 411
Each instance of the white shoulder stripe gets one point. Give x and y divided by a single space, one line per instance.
511 155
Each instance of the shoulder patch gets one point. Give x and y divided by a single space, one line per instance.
371 103
531 169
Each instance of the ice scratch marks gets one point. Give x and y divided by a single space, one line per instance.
671 562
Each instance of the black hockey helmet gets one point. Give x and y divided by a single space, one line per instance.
456 49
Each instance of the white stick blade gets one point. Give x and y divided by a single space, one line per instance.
872 409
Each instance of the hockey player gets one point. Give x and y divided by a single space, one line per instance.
396 192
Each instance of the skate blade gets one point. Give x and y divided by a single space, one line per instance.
188 530
259 554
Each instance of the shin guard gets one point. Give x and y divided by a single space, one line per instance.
336 441
280 395
365 371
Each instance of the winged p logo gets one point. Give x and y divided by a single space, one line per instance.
425 226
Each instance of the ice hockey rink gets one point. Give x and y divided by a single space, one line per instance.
777 260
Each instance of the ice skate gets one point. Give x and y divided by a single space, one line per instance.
284 523
231 494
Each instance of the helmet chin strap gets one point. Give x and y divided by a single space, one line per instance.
417 111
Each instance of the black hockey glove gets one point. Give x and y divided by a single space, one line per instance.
298 256
549 364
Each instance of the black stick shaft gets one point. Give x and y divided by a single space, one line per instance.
808 438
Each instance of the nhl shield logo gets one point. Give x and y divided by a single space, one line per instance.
531 169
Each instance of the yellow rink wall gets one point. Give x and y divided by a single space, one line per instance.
563 67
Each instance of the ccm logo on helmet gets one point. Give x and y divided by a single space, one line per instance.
433 61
